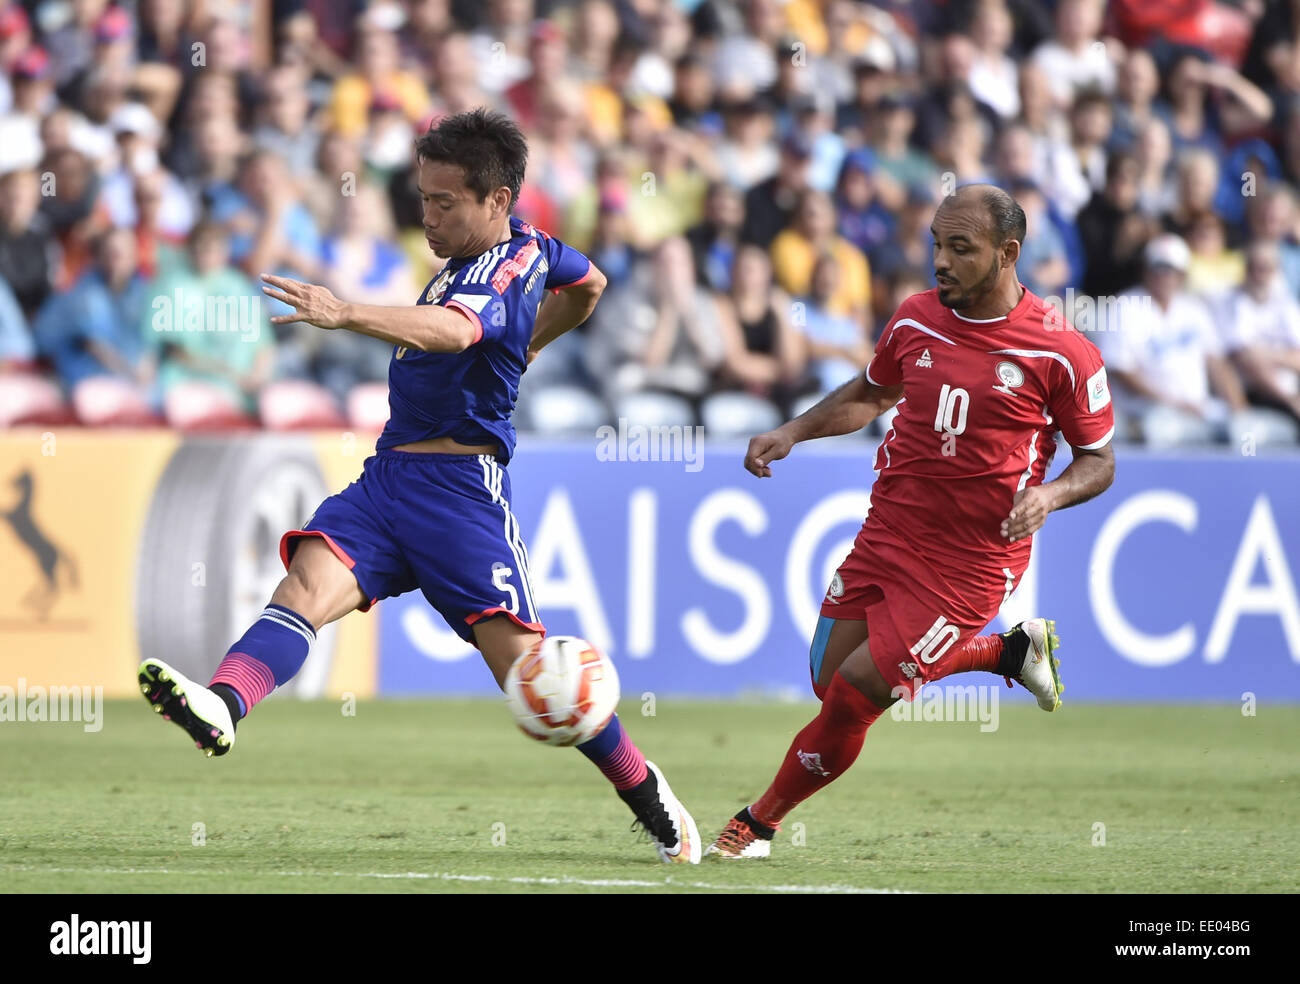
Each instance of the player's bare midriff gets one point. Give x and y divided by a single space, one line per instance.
445 445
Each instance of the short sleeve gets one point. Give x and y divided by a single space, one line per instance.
885 368
482 304
1079 399
565 265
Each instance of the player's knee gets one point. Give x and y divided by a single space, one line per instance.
866 679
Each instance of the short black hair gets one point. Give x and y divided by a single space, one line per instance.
1006 215
488 145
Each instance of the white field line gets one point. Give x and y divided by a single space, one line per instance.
667 882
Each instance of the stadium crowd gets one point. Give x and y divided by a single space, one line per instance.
756 179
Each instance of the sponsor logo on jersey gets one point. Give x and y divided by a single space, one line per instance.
1098 391
925 362
1009 376
812 761
909 669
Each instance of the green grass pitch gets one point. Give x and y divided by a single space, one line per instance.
446 796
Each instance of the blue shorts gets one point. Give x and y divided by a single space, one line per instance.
438 522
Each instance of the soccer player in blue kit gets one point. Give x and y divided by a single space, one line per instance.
431 509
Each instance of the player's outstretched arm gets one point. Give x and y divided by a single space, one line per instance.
566 310
425 327
847 409
1087 476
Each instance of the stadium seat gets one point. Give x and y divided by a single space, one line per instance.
654 410
297 405
1261 427
738 415
563 410
1165 427
202 406
33 400
108 401
367 406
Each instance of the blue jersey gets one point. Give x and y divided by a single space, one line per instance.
469 396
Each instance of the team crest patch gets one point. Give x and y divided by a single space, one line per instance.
1010 376
437 288
836 589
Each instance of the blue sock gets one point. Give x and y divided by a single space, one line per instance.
616 756
270 653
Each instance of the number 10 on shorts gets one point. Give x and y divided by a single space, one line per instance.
931 646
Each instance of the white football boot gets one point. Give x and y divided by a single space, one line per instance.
202 714
1039 674
670 826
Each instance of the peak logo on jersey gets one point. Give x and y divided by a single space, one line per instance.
925 362
1098 391
1009 375
812 761
909 669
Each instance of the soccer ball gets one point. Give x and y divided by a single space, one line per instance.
562 691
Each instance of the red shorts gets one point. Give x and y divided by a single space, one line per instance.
919 610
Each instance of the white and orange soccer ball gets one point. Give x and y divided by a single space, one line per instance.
562 691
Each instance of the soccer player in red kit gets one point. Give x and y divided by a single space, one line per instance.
983 374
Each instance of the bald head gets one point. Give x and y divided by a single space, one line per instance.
1004 218
977 235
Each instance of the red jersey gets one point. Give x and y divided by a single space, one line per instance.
982 403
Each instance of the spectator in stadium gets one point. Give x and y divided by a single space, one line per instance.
1156 193
29 256
811 233
378 70
610 250
761 351
157 248
270 229
873 77
138 138
455 76
94 329
1272 217
812 116
1073 60
1210 103
1198 183
770 204
547 63
901 165
17 347
863 219
1077 168
76 214
993 78
219 145
1167 357
694 95
714 239
913 245
284 122
747 154
1042 267
389 137
1038 111
747 57
1262 325
15 40
1214 269
837 346
501 44
216 349
33 85
1113 231
1135 98
560 161
671 199
960 149
658 331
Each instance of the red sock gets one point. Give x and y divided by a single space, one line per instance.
981 653
820 753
